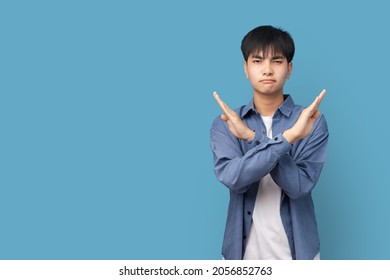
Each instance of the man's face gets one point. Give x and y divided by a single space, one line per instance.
268 73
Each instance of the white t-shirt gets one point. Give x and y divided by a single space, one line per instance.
267 238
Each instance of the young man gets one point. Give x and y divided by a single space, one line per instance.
269 154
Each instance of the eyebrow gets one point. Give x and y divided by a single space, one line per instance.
273 57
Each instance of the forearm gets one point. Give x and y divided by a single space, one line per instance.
238 172
296 180
298 175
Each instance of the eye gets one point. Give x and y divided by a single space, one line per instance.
256 60
278 61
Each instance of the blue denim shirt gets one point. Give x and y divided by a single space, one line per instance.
296 168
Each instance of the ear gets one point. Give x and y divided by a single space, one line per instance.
246 69
289 69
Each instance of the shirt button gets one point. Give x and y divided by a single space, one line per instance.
249 213
263 132
244 237
276 138
257 142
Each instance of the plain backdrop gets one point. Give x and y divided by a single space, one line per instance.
105 111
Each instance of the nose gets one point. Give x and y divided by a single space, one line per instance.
267 70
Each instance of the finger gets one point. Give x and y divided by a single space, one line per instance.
316 103
322 94
225 108
320 97
220 102
224 117
316 114
313 106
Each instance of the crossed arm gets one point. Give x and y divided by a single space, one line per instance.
295 173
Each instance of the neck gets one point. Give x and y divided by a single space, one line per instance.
266 105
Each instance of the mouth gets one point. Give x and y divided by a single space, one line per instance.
267 81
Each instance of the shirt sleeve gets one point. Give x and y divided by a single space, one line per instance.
298 172
238 170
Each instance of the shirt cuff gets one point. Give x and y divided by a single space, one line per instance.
260 139
278 144
283 146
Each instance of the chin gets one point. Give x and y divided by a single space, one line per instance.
268 92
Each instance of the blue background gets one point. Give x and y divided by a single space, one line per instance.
105 110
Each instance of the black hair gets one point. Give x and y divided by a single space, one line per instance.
268 38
